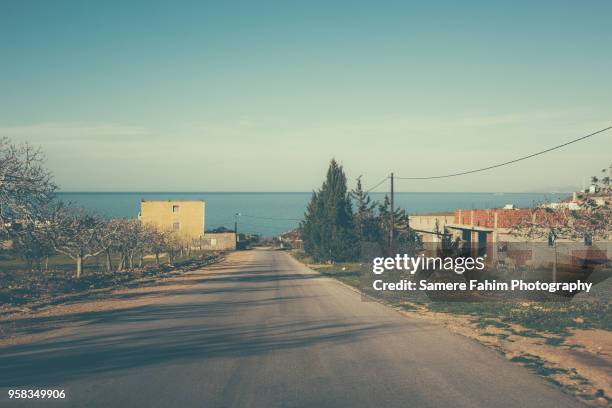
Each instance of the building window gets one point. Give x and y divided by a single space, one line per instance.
176 226
175 208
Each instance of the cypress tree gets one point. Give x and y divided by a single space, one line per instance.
328 228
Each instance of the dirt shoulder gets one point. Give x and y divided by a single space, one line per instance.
568 344
39 290
581 364
51 317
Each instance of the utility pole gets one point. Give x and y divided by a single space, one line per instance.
392 228
236 227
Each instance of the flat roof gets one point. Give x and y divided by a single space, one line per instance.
170 201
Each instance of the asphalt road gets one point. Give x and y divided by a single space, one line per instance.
261 330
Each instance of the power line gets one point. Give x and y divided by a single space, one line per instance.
508 162
452 174
378 184
269 218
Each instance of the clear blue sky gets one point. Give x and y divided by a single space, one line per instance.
254 96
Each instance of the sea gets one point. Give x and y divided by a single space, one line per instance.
271 214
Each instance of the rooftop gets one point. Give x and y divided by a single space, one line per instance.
171 201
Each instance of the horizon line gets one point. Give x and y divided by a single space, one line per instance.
308 192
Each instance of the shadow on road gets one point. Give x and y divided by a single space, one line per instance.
210 319
96 353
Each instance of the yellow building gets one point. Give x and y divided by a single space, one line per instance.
186 218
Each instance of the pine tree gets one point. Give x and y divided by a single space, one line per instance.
328 228
310 227
384 224
366 224
404 236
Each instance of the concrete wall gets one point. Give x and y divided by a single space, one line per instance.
223 241
186 218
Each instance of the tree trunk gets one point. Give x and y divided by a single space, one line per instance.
46 264
109 261
79 266
122 262
157 258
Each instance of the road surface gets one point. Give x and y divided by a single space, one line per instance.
262 330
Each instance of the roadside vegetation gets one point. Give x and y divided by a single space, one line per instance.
26 289
569 342
549 317
333 232
557 318
49 249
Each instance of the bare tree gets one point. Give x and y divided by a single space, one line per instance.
150 239
78 234
25 185
158 242
132 240
31 243
174 246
